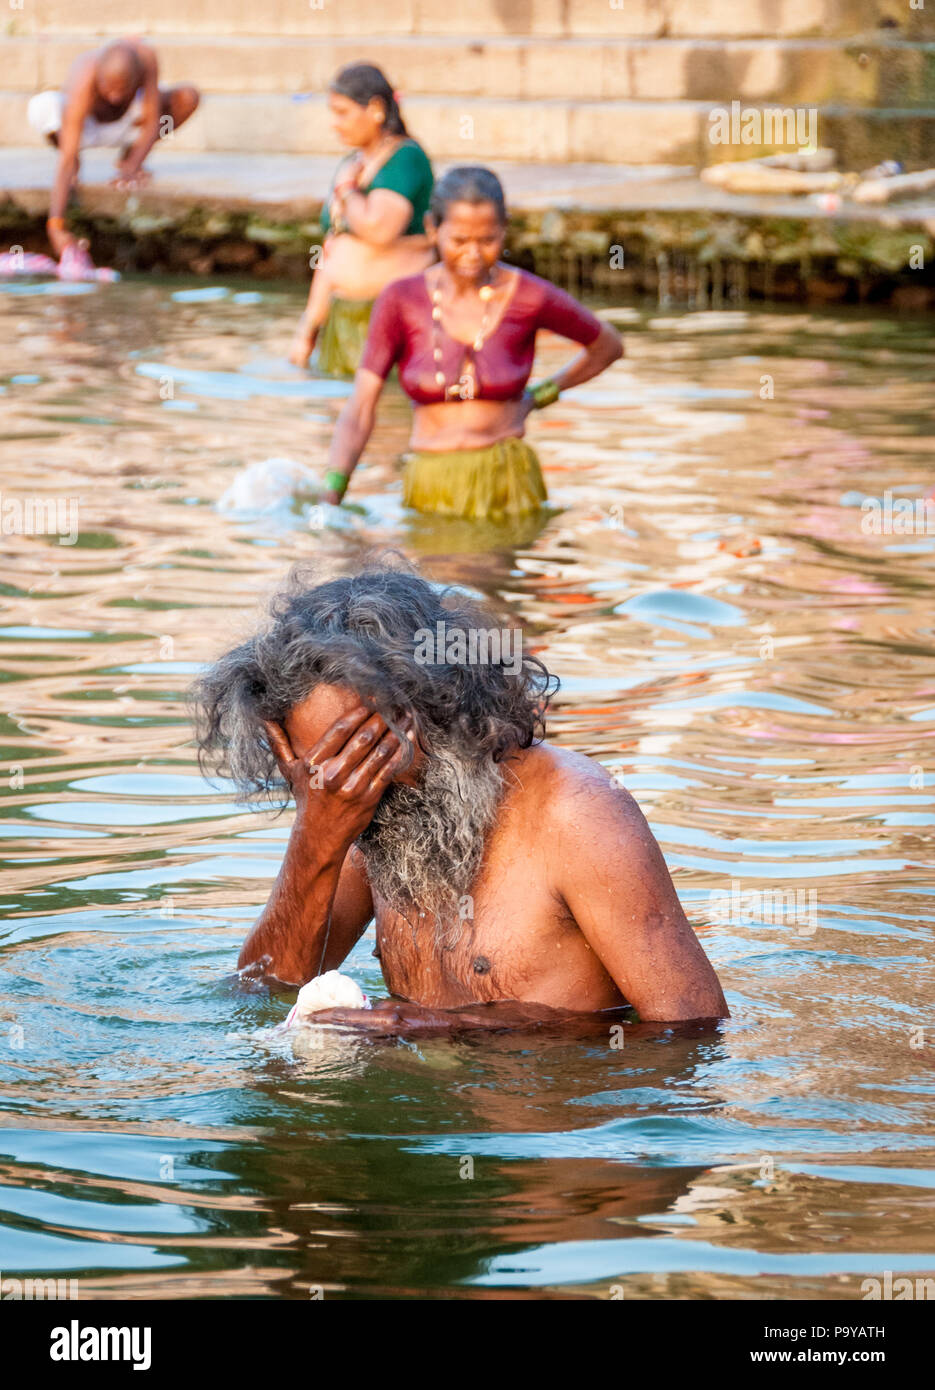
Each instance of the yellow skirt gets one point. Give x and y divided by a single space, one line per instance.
504 480
342 336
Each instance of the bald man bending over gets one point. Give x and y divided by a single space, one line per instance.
112 97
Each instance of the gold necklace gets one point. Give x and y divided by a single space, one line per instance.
364 166
468 364
367 165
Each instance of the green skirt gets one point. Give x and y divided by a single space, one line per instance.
342 336
493 484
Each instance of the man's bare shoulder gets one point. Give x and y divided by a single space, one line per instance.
354 868
561 783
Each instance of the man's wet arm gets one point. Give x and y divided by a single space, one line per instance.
317 911
614 880
77 107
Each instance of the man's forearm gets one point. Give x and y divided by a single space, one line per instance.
364 224
140 149
64 178
292 927
405 1018
348 440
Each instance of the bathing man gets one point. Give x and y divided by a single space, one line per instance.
111 97
407 727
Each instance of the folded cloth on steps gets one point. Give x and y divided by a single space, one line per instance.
46 112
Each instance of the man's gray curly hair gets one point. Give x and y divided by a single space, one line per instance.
358 631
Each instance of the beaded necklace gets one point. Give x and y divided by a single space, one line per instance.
468 362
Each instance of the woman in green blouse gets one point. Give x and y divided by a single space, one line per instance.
373 220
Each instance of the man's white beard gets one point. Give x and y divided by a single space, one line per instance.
424 846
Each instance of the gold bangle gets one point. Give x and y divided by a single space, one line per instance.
55 222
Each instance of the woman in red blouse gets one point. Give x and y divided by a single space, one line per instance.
463 333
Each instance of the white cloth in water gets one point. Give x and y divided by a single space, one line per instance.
267 485
46 112
329 991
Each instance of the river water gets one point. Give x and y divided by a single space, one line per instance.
735 641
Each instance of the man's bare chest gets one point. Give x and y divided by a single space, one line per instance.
504 941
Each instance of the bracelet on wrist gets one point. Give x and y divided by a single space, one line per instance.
336 481
545 393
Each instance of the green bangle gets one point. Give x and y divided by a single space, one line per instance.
337 482
545 393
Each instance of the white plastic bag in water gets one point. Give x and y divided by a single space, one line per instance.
329 991
272 483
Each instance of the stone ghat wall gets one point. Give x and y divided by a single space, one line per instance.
617 81
696 259
482 18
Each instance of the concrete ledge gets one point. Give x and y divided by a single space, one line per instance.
675 235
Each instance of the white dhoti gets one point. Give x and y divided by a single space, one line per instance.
46 112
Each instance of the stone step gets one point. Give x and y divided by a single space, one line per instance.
357 18
792 72
474 129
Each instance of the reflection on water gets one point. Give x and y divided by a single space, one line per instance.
749 661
